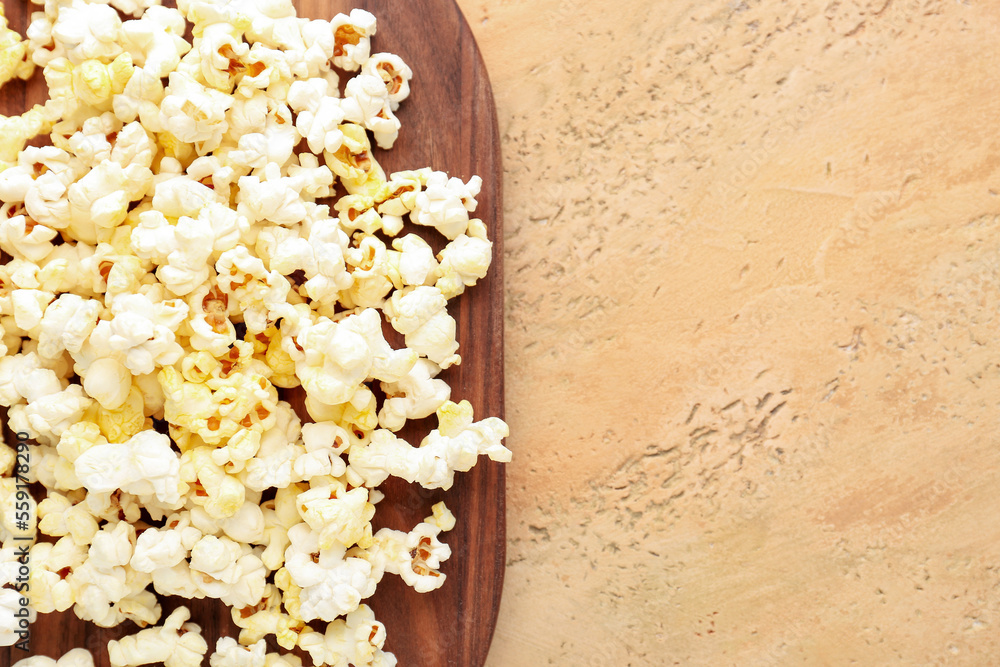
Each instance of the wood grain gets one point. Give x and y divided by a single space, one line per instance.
449 123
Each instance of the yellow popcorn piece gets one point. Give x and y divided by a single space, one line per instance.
17 131
95 83
14 60
220 494
354 163
441 517
122 423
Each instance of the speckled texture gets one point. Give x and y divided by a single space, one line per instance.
753 361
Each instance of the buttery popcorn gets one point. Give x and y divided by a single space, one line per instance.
178 258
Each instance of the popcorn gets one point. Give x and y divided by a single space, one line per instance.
142 465
354 164
194 113
324 442
445 204
59 516
274 198
366 102
156 549
228 570
338 515
318 114
14 61
172 263
416 395
420 314
394 73
78 657
352 39
176 644
272 465
339 356
87 30
156 40
464 261
412 260
141 332
332 583
261 294
357 640
452 447
221 495
415 556
106 592
108 382
228 653
25 238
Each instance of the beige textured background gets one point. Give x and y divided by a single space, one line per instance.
752 285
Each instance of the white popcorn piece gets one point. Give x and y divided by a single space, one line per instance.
108 382
14 55
415 556
338 515
318 114
274 197
143 465
279 448
228 570
210 326
261 294
229 653
140 99
412 260
78 657
247 525
41 180
324 442
452 447
394 73
221 495
464 261
421 314
339 356
332 583
193 112
141 332
272 144
352 39
48 416
356 639
87 30
156 40
366 102
23 238
48 585
105 591
164 548
416 395
176 644
445 204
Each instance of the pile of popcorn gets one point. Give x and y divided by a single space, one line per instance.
171 267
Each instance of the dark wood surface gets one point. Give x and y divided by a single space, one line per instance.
449 123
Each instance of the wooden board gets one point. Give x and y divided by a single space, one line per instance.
449 123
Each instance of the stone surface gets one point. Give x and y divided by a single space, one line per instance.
752 289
